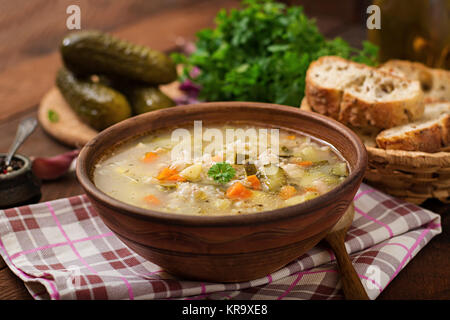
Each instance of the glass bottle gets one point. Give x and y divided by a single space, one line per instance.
417 30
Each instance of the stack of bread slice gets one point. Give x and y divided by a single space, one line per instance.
400 106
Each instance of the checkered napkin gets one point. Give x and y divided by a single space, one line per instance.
62 250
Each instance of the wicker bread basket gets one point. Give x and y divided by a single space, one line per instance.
408 175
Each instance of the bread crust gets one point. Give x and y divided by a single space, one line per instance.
445 128
325 101
431 138
426 140
347 108
383 115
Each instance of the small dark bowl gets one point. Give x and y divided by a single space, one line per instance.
225 248
19 187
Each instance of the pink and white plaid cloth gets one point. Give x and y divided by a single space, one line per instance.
62 250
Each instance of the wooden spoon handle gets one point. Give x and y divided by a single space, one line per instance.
351 284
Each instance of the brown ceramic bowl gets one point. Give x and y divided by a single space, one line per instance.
225 248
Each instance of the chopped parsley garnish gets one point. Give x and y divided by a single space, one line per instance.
221 172
53 116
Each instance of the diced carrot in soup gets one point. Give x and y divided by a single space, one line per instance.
304 163
153 200
150 157
238 191
254 182
176 177
287 191
166 173
311 189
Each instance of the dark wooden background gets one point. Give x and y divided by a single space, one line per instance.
30 32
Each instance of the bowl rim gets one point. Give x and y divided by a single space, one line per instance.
304 209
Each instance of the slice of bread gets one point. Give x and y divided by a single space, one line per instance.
435 83
361 96
367 135
430 134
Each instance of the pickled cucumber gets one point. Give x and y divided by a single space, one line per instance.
273 178
142 98
95 52
96 104
145 99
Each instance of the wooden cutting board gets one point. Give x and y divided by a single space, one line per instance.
68 128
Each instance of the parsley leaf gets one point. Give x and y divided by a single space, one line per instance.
53 116
221 172
261 52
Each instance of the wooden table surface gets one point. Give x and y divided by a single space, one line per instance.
22 85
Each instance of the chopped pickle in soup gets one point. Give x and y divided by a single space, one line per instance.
145 173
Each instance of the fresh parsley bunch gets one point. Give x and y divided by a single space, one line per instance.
261 53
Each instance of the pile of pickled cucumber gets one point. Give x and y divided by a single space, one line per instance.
106 80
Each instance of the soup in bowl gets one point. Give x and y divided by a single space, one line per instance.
221 169
183 187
